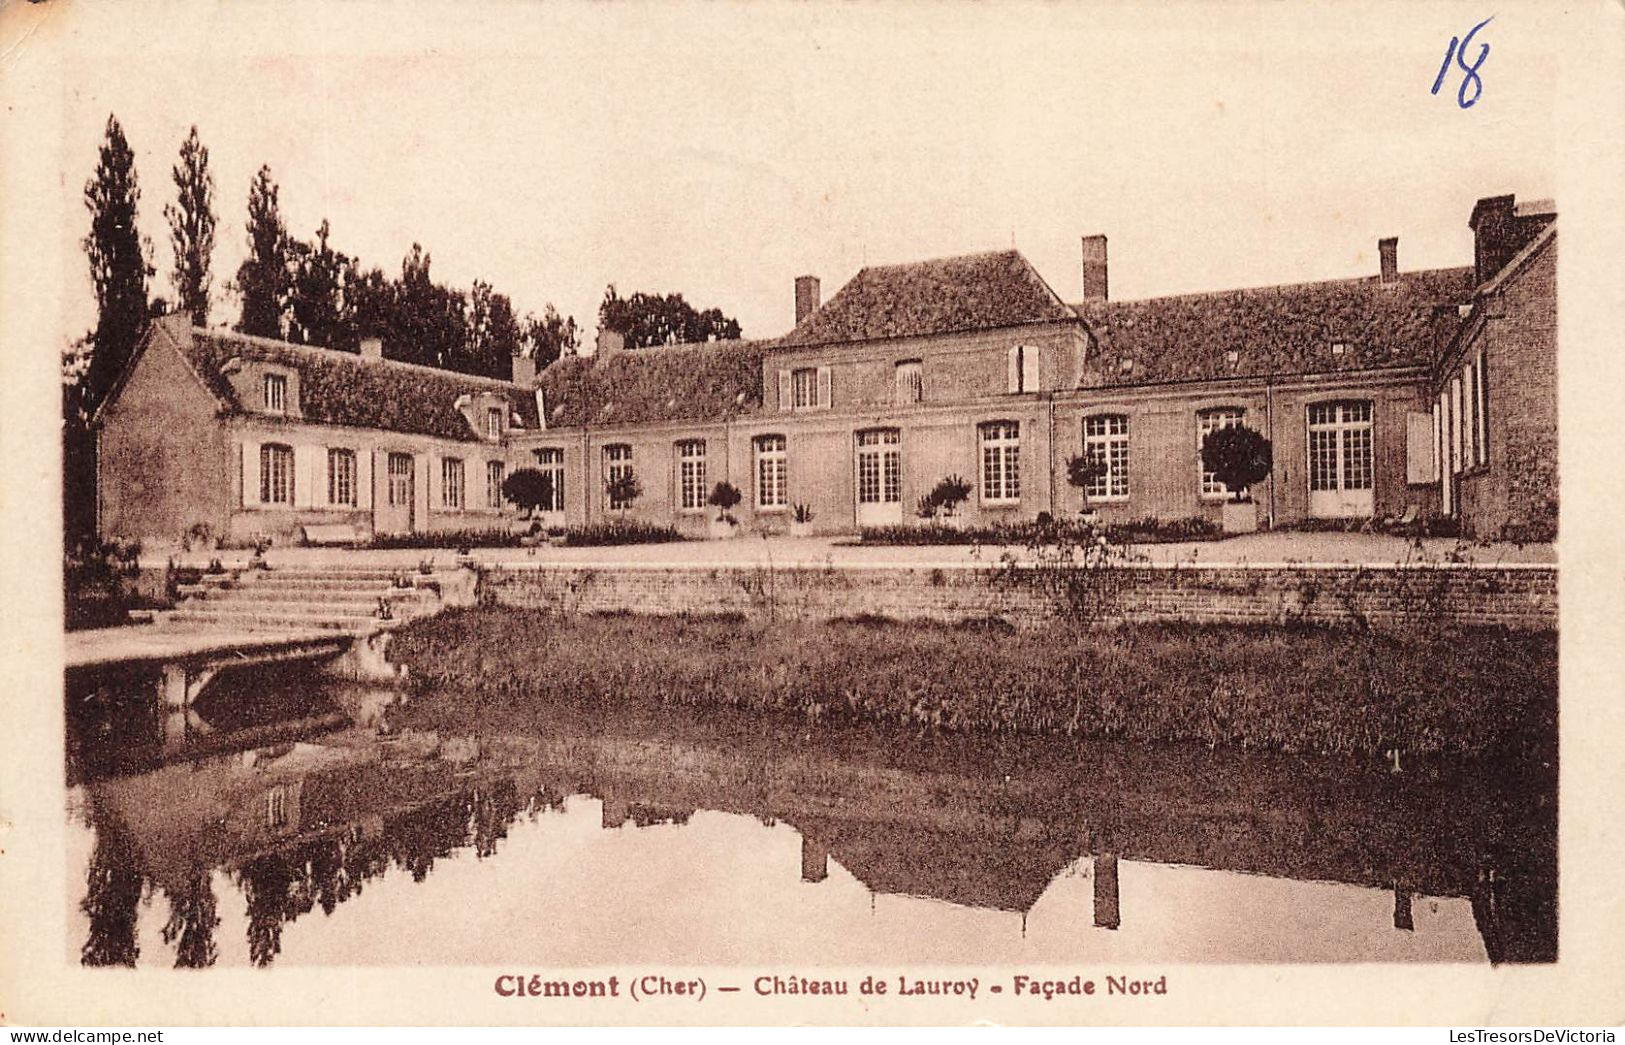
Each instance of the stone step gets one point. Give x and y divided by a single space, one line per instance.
318 607
353 573
250 620
281 583
315 596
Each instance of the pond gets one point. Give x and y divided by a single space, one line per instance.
311 826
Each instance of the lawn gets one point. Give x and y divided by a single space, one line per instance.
1475 693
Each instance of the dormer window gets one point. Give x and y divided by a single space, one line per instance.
493 422
276 393
1339 347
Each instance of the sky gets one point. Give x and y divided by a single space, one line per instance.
722 150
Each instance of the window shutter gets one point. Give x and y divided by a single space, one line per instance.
251 473
1419 449
304 474
1029 369
785 402
1013 368
823 388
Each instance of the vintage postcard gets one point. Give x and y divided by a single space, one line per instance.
811 513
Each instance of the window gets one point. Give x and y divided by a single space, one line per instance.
550 462
276 393
1340 446
1001 462
910 382
691 475
770 472
495 472
276 474
804 387
1456 427
618 465
1482 387
1211 421
880 466
451 482
341 477
493 422
1105 438
276 806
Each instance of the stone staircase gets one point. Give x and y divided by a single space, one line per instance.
305 599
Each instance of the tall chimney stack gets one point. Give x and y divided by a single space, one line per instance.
1494 225
372 348
806 297
1388 250
524 371
1094 268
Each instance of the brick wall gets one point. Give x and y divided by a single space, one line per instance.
1522 597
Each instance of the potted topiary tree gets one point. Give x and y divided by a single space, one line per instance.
725 496
1239 458
623 490
947 496
1081 471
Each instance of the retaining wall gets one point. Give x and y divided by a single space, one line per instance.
1523 597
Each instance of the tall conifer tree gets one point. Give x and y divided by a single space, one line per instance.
191 228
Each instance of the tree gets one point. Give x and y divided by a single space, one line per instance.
1237 456
528 488
319 305
550 337
1083 471
191 228
655 319
119 262
493 337
430 325
263 278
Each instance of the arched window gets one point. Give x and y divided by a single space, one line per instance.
771 472
691 475
617 466
1001 462
1105 438
276 474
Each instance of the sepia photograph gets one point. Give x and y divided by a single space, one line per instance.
907 512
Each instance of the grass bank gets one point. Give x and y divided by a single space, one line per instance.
1475 693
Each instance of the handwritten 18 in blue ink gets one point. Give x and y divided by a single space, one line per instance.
1458 51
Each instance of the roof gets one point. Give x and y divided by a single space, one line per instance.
1279 330
970 292
340 388
1519 260
697 382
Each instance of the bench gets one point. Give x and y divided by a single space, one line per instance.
333 533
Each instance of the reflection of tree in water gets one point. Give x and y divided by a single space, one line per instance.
282 885
112 897
192 922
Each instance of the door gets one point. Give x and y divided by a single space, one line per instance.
1340 460
397 512
879 478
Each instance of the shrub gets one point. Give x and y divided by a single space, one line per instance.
619 532
1083 469
1149 530
458 539
623 490
1237 456
802 513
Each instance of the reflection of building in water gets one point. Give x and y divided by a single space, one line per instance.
303 825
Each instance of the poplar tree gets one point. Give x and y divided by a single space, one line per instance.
119 262
263 279
191 228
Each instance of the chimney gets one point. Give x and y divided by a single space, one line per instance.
609 343
524 371
1094 268
372 348
1495 238
1388 250
806 297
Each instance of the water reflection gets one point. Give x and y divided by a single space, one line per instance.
472 833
